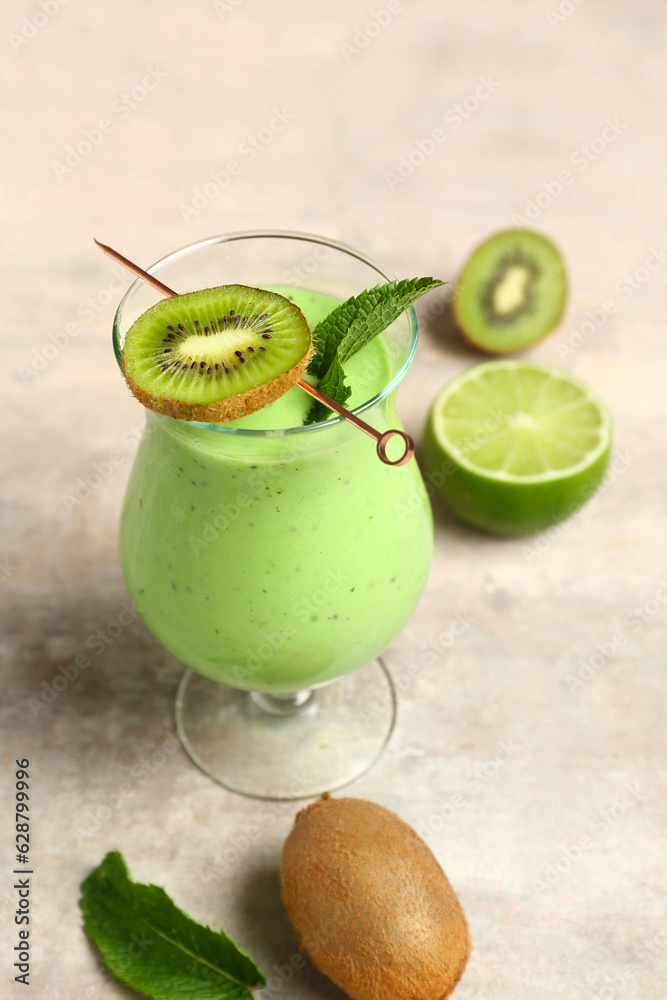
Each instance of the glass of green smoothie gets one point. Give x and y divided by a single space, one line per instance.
277 559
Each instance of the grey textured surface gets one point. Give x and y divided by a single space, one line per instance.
496 759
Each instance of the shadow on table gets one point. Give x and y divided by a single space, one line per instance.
272 941
108 981
438 327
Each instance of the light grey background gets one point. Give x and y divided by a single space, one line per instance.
356 102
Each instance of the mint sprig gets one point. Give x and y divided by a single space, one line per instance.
156 948
350 327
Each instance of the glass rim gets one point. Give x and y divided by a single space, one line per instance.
305 237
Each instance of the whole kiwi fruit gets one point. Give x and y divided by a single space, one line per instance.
371 906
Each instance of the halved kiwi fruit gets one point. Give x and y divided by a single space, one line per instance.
511 292
216 354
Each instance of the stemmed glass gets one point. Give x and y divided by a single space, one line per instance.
277 562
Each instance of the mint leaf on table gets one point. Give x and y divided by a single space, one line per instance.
156 948
350 327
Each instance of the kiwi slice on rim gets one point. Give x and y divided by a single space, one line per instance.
216 354
511 291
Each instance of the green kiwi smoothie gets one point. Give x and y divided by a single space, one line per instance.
272 556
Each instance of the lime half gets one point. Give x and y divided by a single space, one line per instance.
513 447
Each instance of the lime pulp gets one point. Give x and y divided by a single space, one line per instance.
514 446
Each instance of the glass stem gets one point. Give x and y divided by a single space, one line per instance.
284 704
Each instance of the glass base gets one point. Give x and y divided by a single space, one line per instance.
287 746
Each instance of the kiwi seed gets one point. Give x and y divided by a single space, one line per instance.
511 292
216 354
370 904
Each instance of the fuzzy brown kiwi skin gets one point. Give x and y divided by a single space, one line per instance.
370 904
223 410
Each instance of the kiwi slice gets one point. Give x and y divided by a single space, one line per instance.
511 292
217 354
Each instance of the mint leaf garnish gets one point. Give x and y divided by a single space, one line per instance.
350 327
156 948
332 385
